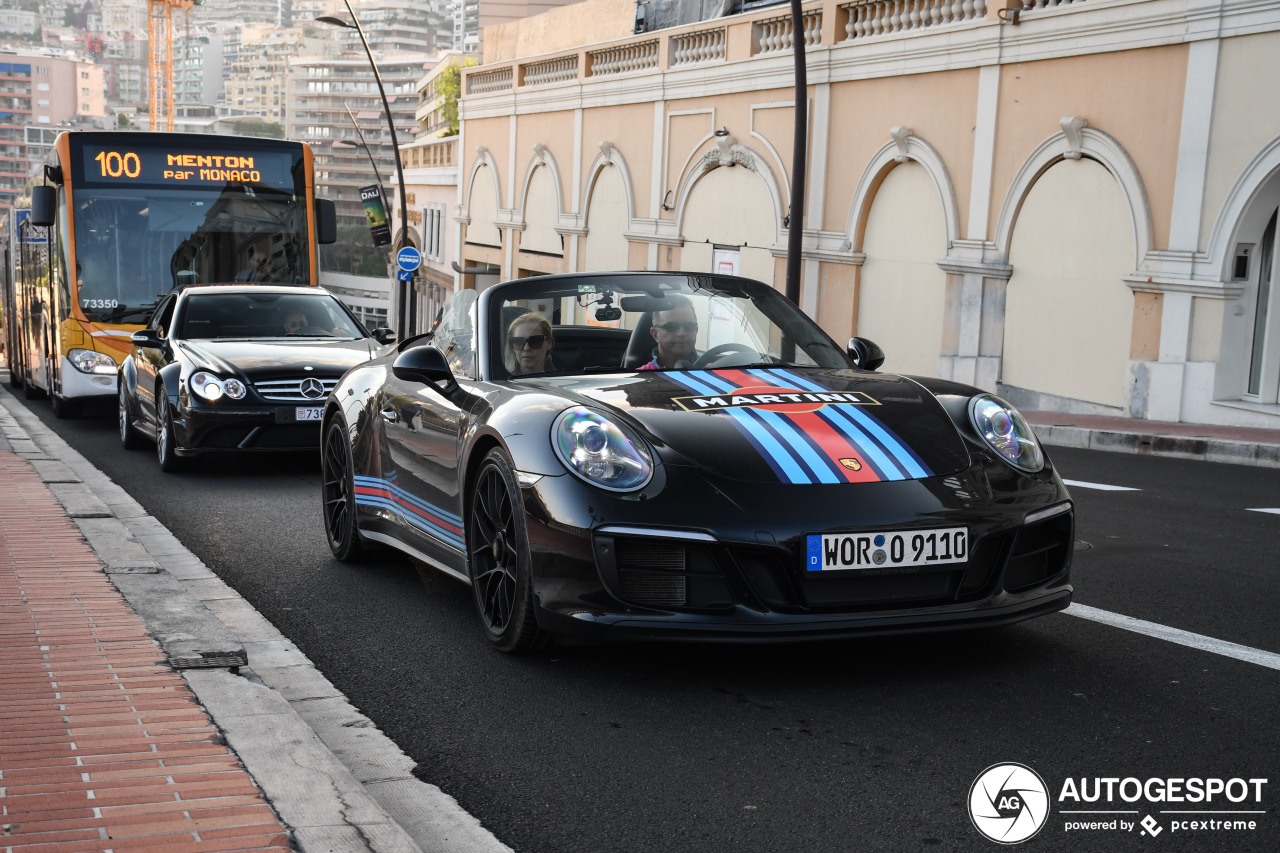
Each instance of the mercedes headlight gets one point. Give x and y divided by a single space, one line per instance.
1006 432
88 361
604 453
207 385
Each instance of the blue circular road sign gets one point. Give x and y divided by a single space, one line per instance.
409 258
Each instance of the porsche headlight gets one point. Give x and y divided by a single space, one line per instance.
604 453
207 386
1006 432
88 361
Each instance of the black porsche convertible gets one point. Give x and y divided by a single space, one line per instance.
688 456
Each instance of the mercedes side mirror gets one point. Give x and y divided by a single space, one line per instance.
383 335
866 354
146 339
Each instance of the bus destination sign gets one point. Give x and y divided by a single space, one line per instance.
159 166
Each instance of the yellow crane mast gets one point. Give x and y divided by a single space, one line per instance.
160 45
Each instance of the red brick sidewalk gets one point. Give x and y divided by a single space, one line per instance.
102 745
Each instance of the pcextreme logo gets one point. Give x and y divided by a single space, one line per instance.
1010 803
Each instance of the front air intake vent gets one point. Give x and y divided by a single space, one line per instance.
654 588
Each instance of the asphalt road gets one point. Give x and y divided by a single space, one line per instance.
860 745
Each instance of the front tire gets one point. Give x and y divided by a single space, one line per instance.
129 439
338 493
166 443
498 559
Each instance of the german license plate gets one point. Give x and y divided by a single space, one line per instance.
308 413
889 549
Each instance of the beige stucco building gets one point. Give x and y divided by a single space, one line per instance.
1077 209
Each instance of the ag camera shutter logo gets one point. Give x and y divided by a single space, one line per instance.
1008 803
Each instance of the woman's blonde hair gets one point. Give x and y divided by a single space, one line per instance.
544 328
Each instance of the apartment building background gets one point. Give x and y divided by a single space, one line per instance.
1079 212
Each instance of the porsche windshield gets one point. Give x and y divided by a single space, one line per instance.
590 324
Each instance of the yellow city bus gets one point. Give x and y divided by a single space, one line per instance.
115 220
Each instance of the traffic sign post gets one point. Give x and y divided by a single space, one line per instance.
404 275
408 259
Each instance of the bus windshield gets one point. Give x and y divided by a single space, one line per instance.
140 231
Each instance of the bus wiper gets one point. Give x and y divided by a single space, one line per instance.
127 312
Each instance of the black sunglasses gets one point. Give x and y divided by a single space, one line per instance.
672 328
535 341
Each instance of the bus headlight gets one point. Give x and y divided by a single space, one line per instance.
207 386
88 361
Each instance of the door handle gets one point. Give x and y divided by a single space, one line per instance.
390 415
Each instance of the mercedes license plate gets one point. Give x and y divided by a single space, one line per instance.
308 413
889 549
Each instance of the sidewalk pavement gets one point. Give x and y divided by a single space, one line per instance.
145 706
1233 445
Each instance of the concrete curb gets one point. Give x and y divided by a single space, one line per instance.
333 778
1181 447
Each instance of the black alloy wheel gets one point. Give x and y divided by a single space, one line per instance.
498 558
129 438
166 443
338 492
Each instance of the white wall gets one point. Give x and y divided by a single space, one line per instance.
901 299
1068 313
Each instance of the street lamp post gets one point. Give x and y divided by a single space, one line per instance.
398 244
365 145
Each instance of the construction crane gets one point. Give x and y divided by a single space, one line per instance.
160 45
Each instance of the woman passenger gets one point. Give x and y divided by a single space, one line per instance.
529 345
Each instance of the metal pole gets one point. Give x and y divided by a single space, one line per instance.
800 145
365 145
398 243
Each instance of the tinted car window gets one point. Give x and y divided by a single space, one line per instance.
265 315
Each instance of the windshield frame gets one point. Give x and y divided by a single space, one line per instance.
768 301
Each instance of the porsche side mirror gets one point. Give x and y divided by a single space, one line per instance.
383 335
44 205
146 338
866 354
425 364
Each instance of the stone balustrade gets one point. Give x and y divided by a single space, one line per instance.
623 58
775 34
701 46
879 17
557 70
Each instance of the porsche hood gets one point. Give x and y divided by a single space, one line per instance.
788 425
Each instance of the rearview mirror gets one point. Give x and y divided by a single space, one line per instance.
44 204
866 354
326 221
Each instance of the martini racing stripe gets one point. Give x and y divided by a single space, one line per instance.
785 429
843 438
851 415
834 444
443 525
784 466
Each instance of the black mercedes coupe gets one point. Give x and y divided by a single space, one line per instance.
238 369
685 456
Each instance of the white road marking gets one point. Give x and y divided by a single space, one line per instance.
1272 510
1103 487
1173 635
